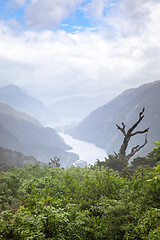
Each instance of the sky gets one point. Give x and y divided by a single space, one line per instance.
60 48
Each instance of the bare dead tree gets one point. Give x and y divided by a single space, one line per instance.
127 136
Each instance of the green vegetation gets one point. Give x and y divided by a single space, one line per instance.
91 203
125 168
157 148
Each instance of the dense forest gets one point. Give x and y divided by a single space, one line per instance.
95 202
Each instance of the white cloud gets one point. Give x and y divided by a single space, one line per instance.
55 64
47 14
132 17
95 8
20 2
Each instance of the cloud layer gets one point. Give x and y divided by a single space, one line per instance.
124 51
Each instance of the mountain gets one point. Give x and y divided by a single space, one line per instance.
71 109
23 133
17 98
13 158
8 140
100 126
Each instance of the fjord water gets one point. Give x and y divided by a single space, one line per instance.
87 152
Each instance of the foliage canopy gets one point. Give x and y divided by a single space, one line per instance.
91 203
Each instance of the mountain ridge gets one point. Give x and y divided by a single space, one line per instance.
24 134
20 100
100 126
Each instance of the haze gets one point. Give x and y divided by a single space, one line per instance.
98 48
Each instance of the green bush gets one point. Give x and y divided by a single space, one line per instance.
91 203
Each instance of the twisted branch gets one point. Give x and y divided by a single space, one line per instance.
137 148
122 129
139 132
141 116
129 134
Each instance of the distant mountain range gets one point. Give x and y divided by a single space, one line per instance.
62 112
75 108
100 126
17 98
23 133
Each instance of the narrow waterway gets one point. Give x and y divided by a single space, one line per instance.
87 152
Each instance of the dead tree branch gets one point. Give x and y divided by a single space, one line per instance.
139 132
141 116
137 148
122 129
129 134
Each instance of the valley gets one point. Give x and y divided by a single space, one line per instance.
87 152
84 142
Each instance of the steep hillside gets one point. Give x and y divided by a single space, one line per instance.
8 140
8 110
100 126
23 133
17 98
13 158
